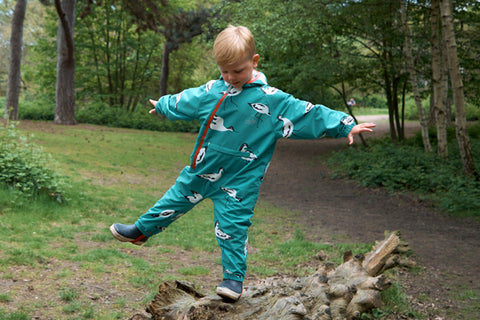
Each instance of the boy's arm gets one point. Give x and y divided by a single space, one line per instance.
186 105
309 121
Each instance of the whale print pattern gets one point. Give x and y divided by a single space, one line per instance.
347 120
164 214
232 91
231 193
179 96
195 197
260 108
269 90
201 155
287 126
217 124
212 177
220 234
309 107
209 85
244 148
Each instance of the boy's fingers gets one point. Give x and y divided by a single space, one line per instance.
154 102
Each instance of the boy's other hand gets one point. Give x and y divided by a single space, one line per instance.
359 128
154 102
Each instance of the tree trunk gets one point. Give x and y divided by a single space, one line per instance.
457 88
165 69
439 90
330 293
413 79
13 84
65 86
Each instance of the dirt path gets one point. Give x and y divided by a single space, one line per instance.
447 249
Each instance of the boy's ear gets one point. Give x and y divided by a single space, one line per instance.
256 57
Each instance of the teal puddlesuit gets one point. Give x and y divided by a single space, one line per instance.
238 134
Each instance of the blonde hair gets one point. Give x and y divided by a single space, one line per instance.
233 45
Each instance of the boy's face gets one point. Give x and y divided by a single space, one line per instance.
237 74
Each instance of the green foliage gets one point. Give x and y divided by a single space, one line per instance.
115 63
472 111
24 167
37 108
407 168
39 62
99 114
375 101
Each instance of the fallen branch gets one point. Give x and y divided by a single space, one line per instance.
330 293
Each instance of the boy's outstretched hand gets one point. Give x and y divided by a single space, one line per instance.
154 104
359 128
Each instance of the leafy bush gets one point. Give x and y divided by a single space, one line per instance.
32 111
375 101
3 101
25 168
472 112
108 116
407 168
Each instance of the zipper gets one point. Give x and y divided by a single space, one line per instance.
207 126
211 119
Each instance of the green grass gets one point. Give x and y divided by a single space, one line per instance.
13 316
366 111
67 252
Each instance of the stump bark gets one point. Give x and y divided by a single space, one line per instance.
330 293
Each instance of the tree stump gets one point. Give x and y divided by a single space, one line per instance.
330 293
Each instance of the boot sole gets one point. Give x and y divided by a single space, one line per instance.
121 238
227 293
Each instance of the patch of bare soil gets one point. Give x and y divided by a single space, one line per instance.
446 249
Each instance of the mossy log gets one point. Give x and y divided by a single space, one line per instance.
330 293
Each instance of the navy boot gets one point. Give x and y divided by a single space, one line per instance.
128 233
230 289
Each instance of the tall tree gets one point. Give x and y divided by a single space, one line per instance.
13 84
65 85
375 26
115 62
457 88
178 26
413 78
439 82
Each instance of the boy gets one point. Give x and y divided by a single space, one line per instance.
241 120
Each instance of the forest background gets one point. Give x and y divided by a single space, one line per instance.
413 60
325 52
